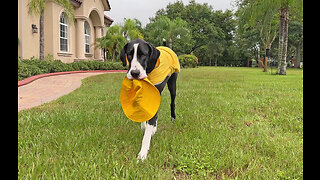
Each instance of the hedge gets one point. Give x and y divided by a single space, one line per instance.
188 61
27 68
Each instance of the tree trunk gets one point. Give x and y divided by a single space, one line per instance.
283 40
298 55
265 63
41 36
170 43
114 51
104 54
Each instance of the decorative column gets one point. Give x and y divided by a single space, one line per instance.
97 52
80 39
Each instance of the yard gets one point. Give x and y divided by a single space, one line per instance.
234 123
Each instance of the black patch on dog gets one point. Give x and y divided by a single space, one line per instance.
147 54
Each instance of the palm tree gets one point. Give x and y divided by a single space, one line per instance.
270 9
295 6
169 30
130 29
256 15
113 41
117 36
37 7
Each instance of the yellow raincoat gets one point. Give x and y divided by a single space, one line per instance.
140 99
167 64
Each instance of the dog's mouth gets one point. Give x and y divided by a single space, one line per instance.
139 77
136 74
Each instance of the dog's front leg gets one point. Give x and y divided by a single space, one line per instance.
143 126
148 133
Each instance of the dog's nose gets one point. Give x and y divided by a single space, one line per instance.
135 73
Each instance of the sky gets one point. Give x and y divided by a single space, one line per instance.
144 9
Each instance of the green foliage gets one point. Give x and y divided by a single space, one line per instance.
188 61
27 68
131 30
113 41
210 35
175 32
118 35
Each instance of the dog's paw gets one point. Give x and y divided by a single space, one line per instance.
142 156
173 119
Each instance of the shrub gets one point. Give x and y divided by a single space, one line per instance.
27 68
188 61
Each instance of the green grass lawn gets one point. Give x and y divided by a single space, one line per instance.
232 123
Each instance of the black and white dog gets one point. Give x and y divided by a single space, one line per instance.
142 57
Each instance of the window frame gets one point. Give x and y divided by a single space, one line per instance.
63 33
87 35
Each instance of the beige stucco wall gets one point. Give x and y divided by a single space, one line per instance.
91 11
28 41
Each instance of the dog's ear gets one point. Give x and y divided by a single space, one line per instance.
123 55
154 54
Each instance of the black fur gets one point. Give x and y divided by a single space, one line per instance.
146 49
123 55
154 55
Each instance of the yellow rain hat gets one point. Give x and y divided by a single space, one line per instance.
140 99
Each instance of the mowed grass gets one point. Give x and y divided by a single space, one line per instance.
232 123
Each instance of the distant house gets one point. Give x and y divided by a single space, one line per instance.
64 40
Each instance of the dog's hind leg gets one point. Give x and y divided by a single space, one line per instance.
172 88
150 130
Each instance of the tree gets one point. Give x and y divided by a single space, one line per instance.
260 15
210 31
285 5
117 36
113 41
295 39
169 30
130 29
270 9
37 7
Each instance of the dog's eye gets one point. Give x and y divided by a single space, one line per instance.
143 56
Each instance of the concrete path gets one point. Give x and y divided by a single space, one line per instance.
49 88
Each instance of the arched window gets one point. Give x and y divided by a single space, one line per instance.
87 37
63 33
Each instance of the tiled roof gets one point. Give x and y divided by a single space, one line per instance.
108 18
76 3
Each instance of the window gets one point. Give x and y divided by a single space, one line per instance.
87 37
63 33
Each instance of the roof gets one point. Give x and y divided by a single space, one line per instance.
106 5
108 20
77 3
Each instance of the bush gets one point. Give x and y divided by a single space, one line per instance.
27 68
188 61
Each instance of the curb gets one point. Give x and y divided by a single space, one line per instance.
32 78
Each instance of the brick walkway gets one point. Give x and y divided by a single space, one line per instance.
49 88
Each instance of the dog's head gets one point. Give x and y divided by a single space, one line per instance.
142 57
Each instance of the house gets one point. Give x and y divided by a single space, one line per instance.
64 40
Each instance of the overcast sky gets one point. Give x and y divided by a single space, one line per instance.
144 9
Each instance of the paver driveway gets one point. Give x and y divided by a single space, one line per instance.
49 88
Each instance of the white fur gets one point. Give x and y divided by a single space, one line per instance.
135 65
143 126
148 133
